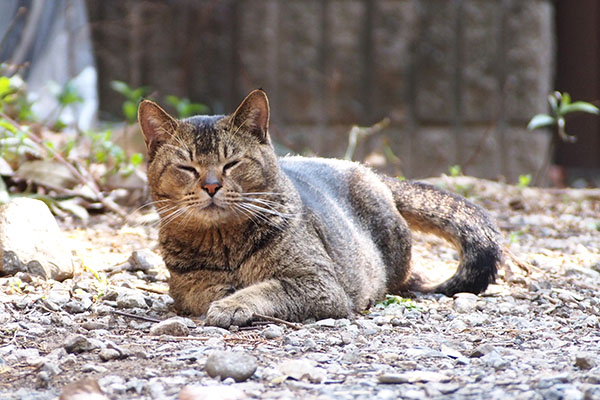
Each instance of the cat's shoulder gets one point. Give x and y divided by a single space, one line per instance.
318 165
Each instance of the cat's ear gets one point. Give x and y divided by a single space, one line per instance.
157 125
253 115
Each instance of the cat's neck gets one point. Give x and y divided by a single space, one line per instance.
220 247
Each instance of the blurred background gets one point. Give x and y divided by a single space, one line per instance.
447 86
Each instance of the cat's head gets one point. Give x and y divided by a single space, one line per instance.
210 170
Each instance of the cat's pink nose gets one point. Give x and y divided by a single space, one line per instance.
211 188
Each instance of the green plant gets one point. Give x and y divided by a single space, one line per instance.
13 98
104 151
133 96
561 106
524 181
455 170
394 299
66 95
185 108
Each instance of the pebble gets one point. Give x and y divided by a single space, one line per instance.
586 361
272 332
465 302
129 298
413 377
211 393
79 344
171 326
229 364
109 354
302 369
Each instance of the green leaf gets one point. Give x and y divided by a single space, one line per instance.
4 86
121 87
579 106
130 111
524 180
8 126
69 95
541 121
136 159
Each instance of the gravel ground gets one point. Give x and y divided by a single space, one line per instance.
533 335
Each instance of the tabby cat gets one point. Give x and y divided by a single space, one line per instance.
243 232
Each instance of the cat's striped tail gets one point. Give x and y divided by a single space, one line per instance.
454 218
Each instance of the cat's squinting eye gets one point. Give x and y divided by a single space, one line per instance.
188 168
230 165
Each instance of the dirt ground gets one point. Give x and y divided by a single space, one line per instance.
533 335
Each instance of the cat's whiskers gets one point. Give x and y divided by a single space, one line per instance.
258 216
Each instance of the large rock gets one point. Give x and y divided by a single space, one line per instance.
31 241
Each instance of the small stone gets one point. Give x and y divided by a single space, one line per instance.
171 326
413 377
495 361
144 260
272 332
302 369
211 393
74 307
482 350
130 298
465 302
94 325
79 344
585 361
229 364
109 354
326 323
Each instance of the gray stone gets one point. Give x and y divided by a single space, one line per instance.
272 332
109 354
31 241
79 344
413 377
326 323
144 260
303 369
229 364
465 302
586 361
482 350
171 326
211 392
131 298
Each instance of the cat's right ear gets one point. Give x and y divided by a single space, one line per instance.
157 125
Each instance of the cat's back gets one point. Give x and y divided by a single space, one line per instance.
323 183
347 197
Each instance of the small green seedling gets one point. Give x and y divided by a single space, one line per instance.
394 299
524 181
560 106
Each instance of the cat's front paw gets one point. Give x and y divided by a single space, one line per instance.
226 312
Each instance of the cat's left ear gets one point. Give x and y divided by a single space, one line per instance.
157 125
253 115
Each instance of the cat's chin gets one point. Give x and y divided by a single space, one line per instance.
213 216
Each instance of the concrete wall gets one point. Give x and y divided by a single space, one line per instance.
459 78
